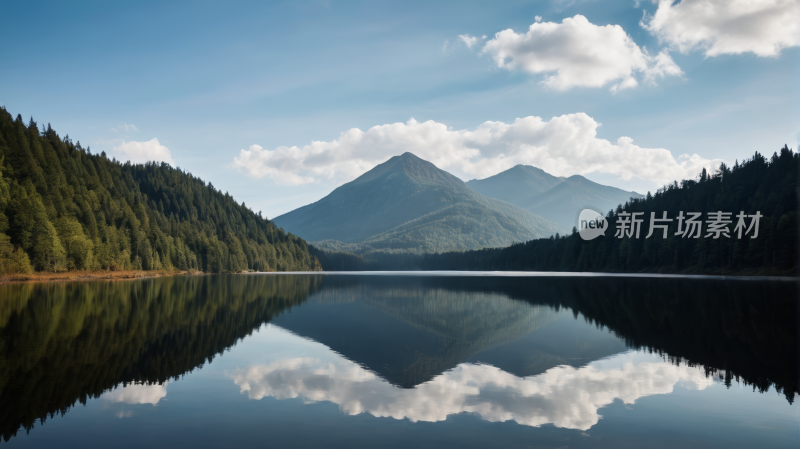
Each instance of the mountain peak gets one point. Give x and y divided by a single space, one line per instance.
411 156
515 184
411 166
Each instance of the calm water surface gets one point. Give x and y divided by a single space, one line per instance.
399 361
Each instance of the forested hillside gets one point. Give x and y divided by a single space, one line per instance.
764 185
63 208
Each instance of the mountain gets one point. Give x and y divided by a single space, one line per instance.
516 184
563 202
408 204
553 198
63 208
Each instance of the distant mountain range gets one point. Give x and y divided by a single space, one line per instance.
409 205
554 198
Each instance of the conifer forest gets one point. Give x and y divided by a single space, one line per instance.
64 208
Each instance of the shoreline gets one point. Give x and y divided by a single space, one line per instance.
536 274
71 276
129 275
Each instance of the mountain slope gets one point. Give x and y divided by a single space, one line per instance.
407 203
563 202
63 208
516 184
553 198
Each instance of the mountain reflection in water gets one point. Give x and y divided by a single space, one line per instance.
564 396
419 348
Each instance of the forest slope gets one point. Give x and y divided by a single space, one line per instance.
63 208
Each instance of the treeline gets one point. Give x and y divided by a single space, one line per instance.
760 184
63 208
397 260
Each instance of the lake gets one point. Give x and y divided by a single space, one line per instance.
290 360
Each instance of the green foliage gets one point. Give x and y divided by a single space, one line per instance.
13 260
67 209
759 184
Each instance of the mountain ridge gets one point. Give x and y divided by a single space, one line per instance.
408 203
556 199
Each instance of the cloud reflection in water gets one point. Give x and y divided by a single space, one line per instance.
564 396
137 394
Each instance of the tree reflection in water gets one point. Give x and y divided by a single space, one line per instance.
63 343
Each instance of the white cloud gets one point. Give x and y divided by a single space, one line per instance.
467 39
137 394
125 127
140 152
763 27
538 18
564 396
577 53
281 165
564 146
661 66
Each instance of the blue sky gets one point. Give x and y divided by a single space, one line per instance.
208 80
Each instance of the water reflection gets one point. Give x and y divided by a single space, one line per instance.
63 343
564 396
415 332
137 394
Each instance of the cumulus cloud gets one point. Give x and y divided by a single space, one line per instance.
564 396
763 27
137 394
577 53
124 127
564 146
467 39
140 152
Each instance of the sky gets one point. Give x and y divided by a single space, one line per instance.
278 103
